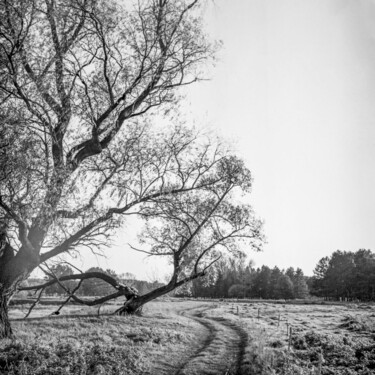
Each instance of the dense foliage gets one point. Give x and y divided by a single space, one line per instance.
346 275
237 280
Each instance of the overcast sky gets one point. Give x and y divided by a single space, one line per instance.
294 88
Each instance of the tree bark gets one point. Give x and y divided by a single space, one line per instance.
5 327
134 304
13 270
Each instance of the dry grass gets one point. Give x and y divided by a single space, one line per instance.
81 342
325 339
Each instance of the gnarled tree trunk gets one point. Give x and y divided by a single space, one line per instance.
5 327
135 303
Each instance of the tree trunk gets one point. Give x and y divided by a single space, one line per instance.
135 303
13 270
5 328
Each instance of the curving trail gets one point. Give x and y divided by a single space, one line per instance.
222 351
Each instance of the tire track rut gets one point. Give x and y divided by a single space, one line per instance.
223 350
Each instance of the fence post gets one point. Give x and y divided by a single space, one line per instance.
290 337
320 361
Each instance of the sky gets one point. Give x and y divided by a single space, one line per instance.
294 90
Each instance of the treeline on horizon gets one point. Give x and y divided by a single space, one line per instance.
237 280
344 275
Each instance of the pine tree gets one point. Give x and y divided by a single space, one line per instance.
301 289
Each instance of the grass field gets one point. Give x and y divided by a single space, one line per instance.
193 337
306 339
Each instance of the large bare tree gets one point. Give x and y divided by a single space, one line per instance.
192 229
80 82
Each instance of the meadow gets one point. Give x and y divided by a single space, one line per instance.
193 337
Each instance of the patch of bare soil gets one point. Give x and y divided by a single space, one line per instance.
222 351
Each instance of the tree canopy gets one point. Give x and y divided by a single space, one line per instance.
236 279
346 275
84 91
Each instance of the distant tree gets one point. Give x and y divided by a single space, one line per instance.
220 288
274 286
346 275
362 279
97 287
248 278
236 291
286 287
58 271
320 287
262 283
321 268
226 273
310 280
290 272
340 269
300 288
232 276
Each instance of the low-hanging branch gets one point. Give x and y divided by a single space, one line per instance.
83 276
122 290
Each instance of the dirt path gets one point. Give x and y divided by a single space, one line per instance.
222 351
